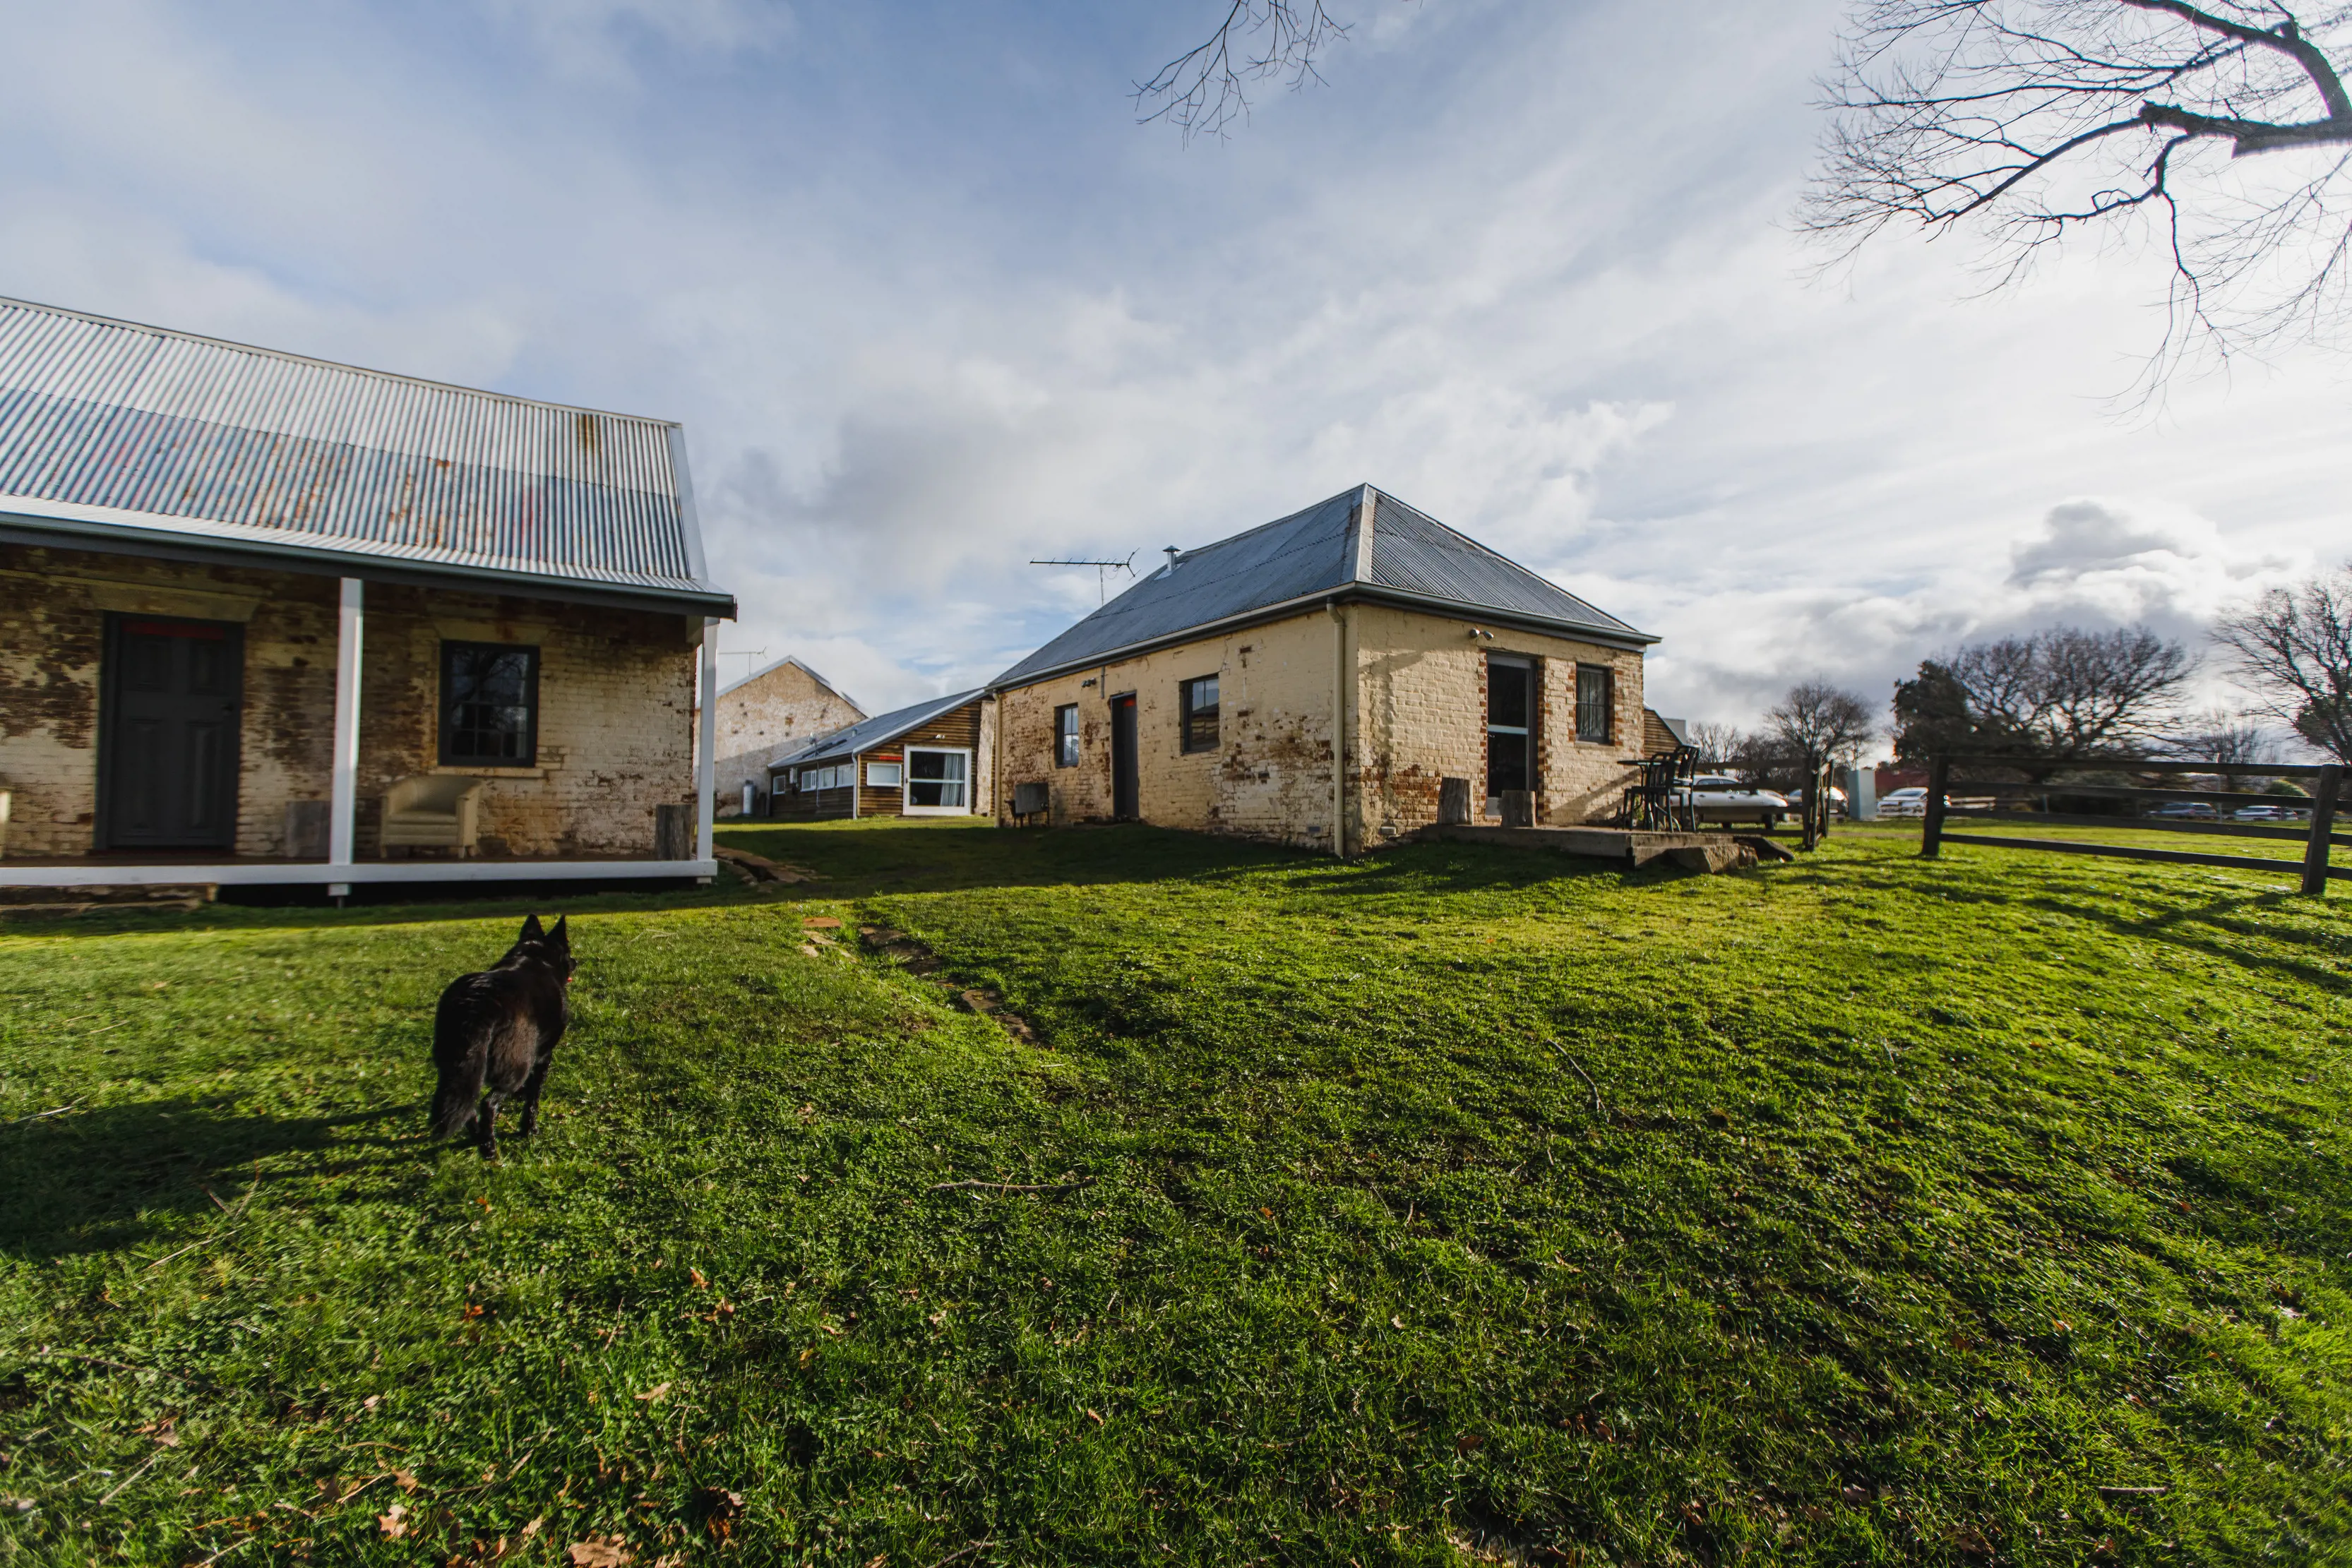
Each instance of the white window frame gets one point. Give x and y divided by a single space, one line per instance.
906 798
885 775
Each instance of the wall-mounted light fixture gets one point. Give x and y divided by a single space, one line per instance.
1084 684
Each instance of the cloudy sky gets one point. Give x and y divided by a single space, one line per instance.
930 303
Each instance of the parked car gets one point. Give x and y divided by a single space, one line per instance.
2186 811
1910 801
2270 814
1837 800
1720 798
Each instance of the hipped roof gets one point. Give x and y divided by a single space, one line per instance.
1359 543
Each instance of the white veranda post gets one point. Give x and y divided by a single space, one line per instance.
704 765
344 801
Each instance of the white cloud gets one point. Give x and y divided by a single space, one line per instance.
590 41
924 320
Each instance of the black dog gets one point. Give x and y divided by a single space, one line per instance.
500 1028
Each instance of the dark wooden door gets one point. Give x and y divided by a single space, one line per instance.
168 733
1125 803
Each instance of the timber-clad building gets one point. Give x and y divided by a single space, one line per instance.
266 619
928 760
1313 681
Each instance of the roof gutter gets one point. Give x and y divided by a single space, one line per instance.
1453 608
212 549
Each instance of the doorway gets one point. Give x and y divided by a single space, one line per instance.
170 700
1124 786
1510 728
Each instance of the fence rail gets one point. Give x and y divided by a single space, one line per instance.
1983 801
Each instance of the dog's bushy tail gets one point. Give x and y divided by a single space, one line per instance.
454 1100
461 1050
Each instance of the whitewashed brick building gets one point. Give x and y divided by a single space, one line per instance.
247 599
1312 681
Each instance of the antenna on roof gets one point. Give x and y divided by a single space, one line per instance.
743 654
1103 568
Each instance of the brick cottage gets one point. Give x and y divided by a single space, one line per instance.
270 620
1218 693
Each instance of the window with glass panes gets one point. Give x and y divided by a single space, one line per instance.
1596 703
1201 714
489 705
1065 736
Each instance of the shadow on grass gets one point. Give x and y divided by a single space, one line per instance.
96 1180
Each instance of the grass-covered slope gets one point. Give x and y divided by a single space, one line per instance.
1922 1202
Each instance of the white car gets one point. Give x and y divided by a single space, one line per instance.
1720 798
1907 802
2269 814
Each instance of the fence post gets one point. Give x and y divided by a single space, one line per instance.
2323 823
1931 829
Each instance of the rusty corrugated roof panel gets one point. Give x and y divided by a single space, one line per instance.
1323 552
111 424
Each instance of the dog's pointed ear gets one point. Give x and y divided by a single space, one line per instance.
560 936
530 930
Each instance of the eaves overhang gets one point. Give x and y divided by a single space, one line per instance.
33 521
1451 609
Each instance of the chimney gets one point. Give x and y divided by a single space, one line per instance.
1170 551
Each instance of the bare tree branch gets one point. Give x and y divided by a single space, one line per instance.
2022 121
2294 649
1203 89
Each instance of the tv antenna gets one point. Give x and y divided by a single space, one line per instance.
1103 568
743 654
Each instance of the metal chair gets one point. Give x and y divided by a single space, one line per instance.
1659 800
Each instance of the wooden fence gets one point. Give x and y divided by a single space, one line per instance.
1989 800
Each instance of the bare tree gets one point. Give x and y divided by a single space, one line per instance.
1716 744
1203 89
2295 648
2061 695
1820 720
2236 744
2026 122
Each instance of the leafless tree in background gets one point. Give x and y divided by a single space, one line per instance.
1818 719
1716 744
2236 744
1203 89
2028 121
2295 648
2074 694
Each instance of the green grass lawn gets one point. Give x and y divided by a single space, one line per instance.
1993 1209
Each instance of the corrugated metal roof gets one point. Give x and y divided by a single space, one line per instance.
1323 550
874 731
117 424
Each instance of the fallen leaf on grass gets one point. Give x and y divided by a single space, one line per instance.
1097 1421
700 1281
1856 1495
1468 1442
650 1395
407 1482
598 1552
1396 1323
393 1524
533 1528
